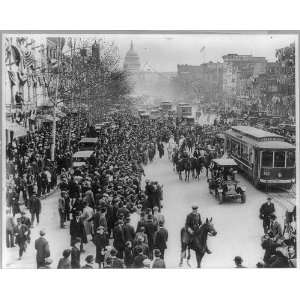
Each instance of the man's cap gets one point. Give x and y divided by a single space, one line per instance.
157 253
89 259
113 252
238 259
194 207
42 232
269 198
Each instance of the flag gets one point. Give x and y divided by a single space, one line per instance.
28 59
12 77
16 55
202 49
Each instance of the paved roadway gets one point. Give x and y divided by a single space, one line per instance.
238 226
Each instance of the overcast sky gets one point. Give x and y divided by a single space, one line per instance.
164 51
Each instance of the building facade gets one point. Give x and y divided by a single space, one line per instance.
201 82
238 73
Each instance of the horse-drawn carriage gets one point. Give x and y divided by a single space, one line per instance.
223 183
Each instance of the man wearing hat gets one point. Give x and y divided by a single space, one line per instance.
238 262
275 230
21 233
89 262
265 212
161 238
192 223
119 238
42 249
116 263
75 253
129 232
100 240
150 230
158 262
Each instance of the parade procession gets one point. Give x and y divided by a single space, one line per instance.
117 157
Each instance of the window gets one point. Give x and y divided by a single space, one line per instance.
235 147
290 159
267 159
279 159
244 152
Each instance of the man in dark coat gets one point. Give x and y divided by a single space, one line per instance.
75 253
77 230
35 208
150 230
119 239
42 250
139 258
265 212
116 263
21 233
158 262
160 239
129 232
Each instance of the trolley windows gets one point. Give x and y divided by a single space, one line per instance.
290 159
235 148
267 159
245 152
279 159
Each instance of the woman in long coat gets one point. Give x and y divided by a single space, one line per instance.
87 214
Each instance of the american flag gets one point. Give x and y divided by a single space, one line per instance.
28 59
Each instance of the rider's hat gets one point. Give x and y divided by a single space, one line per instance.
194 207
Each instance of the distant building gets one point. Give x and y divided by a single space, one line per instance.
132 61
238 71
204 81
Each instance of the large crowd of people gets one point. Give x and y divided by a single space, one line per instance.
104 203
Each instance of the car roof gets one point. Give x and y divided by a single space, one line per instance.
225 161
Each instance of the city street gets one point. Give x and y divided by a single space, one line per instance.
238 226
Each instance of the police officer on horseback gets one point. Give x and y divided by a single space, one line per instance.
192 223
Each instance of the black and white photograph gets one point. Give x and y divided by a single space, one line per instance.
149 150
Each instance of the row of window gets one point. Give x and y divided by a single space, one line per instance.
278 159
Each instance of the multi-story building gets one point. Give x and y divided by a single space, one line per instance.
238 72
201 82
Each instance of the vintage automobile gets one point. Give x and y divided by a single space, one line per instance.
223 183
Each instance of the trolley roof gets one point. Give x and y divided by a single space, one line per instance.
225 161
255 132
269 141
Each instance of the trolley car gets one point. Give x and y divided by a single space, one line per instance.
263 156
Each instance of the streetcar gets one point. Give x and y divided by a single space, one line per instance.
264 157
81 158
166 106
184 110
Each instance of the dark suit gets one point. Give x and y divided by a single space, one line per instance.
119 240
193 221
77 230
160 240
158 263
266 210
75 258
138 261
42 251
116 263
129 233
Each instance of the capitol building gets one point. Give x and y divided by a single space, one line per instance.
132 61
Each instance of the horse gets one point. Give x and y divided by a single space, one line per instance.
187 167
198 242
180 167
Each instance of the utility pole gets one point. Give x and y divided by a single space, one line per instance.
55 103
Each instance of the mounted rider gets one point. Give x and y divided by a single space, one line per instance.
192 223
